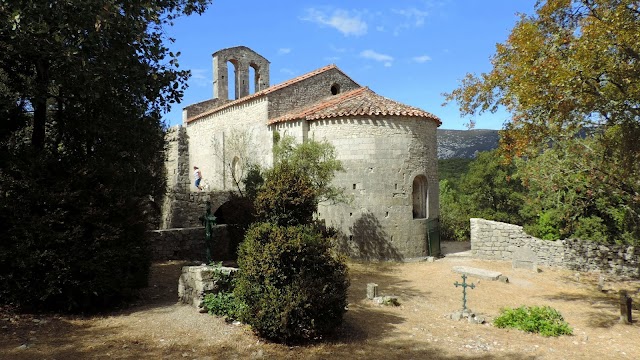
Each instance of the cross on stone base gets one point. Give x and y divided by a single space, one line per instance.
464 290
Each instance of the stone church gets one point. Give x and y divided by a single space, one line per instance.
388 150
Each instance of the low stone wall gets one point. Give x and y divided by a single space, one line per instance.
492 240
197 281
189 244
183 210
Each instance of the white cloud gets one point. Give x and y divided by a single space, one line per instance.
283 51
341 20
370 54
411 18
201 77
414 16
422 59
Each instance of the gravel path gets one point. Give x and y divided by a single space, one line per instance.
159 328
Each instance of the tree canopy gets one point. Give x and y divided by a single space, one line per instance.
83 85
568 75
572 64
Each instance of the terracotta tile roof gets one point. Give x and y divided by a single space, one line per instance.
356 102
267 91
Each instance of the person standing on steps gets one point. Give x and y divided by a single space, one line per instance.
197 174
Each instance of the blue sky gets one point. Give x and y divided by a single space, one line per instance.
411 51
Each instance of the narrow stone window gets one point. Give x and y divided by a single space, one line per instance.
232 84
236 169
335 89
354 186
420 197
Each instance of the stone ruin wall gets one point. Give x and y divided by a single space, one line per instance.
189 244
181 234
492 240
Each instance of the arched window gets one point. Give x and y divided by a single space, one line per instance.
236 169
420 197
335 89
254 74
232 70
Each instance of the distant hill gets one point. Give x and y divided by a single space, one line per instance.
464 144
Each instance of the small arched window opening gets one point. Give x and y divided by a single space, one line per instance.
420 197
335 89
232 79
254 74
236 169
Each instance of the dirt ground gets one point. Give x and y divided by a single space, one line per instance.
159 328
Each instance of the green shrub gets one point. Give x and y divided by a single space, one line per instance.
287 197
222 302
543 320
294 287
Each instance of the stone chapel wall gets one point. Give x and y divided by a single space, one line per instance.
381 158
210 134
309 91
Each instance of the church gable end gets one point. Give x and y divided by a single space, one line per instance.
309 91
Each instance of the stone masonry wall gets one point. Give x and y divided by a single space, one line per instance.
211 147
189 244
308 91
185 209
177 159
381 158
494 240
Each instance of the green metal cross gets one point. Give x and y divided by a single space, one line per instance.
209 221
464 290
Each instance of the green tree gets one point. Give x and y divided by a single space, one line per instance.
83 85
572 64
490 189
293 284
569 196
318 160
568 69
287 198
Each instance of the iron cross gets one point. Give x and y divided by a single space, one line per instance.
464 290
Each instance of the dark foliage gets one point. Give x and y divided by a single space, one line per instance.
294 287
82 88
288 196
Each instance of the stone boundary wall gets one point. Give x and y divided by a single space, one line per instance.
189 244
184 210
493 240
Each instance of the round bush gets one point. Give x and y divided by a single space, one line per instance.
294 288
287 197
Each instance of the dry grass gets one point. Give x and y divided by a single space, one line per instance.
158 328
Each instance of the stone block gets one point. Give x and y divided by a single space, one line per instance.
525 258
475 272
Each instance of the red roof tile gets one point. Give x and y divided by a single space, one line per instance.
266 91
356 102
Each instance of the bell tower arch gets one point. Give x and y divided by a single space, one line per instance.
242 58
